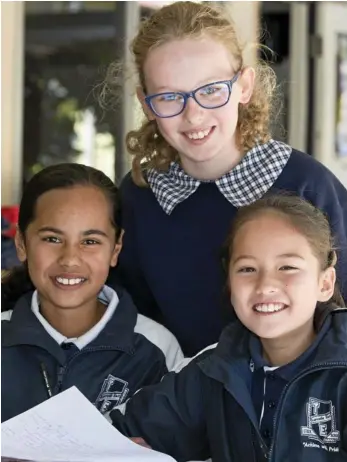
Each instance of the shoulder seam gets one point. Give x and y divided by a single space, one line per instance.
185 361
160 337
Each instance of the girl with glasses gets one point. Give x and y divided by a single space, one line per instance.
203 151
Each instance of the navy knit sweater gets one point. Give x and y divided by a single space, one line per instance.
171 264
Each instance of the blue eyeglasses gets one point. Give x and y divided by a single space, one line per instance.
210 96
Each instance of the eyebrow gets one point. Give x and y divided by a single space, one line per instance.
284 255
290 255
88 232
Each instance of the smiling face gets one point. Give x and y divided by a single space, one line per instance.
275 278
204 138
69 246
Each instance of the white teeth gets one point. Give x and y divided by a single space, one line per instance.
199 135
269 307
70 282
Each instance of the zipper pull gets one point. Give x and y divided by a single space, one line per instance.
265 450
61 370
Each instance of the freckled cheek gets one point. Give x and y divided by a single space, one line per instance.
99 261
240 304
40 258
168 127
296 280
229 110
228 113
240 291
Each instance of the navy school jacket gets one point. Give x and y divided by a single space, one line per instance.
206 409
170 264
130 352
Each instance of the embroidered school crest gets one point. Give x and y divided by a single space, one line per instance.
321 423
113 392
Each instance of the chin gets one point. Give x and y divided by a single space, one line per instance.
201 157
272 334
68 302
69 305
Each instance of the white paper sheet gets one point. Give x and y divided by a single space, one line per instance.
68 428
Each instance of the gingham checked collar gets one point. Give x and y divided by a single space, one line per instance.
244 184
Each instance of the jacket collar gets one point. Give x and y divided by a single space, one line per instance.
232 352
25 329
229 364
243 185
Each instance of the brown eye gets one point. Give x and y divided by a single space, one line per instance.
91 242
246 269
51 239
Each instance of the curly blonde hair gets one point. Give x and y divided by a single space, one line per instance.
178 21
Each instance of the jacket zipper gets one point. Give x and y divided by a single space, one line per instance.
317 367
63 369
258 442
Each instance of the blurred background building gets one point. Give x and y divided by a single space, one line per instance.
55 53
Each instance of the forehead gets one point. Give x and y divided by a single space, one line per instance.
270 234
80 203
185 64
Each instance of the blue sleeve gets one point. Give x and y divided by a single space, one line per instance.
128 272
169 416
330 196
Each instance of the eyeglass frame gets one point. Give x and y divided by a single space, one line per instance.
191 94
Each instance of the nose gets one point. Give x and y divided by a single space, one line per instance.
266 284
193 112
69 256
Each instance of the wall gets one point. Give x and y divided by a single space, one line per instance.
12 28
331 20
246 18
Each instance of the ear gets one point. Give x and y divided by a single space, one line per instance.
20 246
246 80
327 284
141 97
117 248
